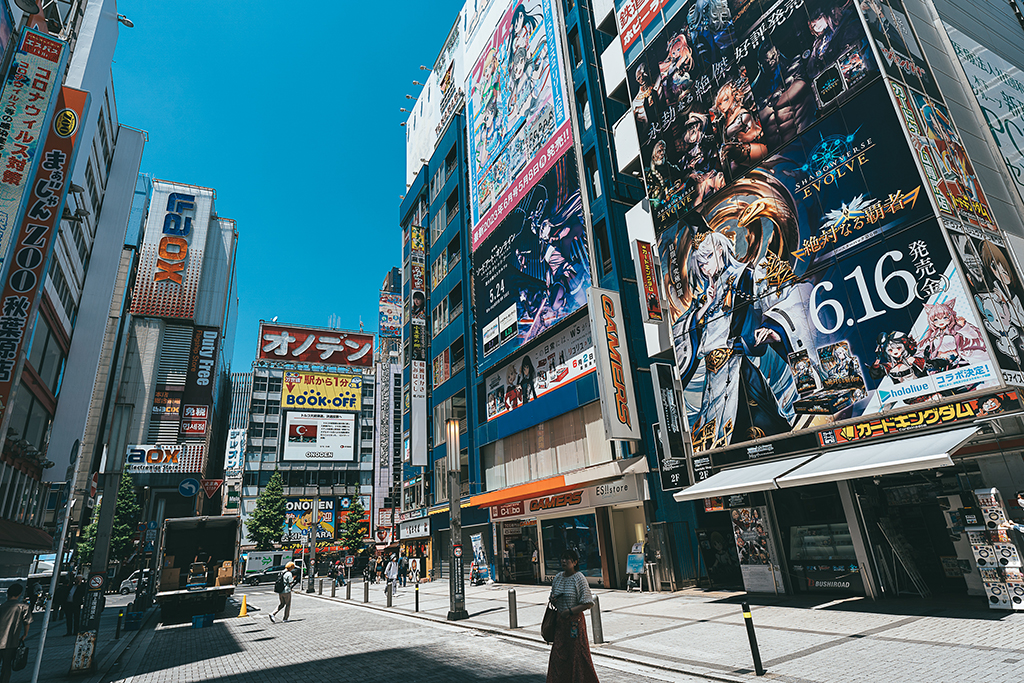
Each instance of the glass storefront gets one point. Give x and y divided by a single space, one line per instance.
578 532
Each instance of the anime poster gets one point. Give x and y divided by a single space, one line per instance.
533 270
818 288
516 104
755 548
994 282
558 362
950 173
298 519
723 87
902 57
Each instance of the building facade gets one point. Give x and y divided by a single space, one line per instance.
311 418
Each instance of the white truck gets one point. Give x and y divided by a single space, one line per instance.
259 560
198 557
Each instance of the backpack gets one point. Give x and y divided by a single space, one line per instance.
279 584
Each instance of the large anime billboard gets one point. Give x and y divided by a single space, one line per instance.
713 99
533 270
902 57
517 110
819 288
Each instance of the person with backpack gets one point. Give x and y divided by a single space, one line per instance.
283 587
403 570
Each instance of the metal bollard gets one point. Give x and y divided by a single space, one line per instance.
513 614
595 621
387 592
366 591
117 631
321 587
334 588
758 668
348 590
417 597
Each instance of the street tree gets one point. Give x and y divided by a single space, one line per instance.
266 524
353 531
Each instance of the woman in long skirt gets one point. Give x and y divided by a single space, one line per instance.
570 660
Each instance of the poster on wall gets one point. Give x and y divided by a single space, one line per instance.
325 437
818 289
950 173
714 98
390 324
902 56
755 547
672 464
999 88
559 361
533 270
517 111
298 519
995 284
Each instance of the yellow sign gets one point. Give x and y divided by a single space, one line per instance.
322 391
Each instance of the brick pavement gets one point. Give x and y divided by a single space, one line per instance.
331 641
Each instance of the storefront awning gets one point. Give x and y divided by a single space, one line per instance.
759 477
890 457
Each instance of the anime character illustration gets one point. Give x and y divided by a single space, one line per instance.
896 358
949 340
993 405
677 70
710 25
523 25
701 165
488 133
513 398
834 29
785 100
522 84
1000 304
527 376
803 371
663 177
841 367
888 24
645 106
741 133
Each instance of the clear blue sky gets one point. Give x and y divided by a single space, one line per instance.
294 120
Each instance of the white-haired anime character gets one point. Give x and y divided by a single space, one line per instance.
734 324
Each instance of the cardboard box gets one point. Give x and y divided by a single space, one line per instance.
227 565
170 579
228 580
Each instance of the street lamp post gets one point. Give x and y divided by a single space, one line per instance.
456 580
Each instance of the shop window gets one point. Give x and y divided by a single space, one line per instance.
579 533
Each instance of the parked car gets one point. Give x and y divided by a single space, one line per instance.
268 575
131 584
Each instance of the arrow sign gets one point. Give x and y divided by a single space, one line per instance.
188 487
211 486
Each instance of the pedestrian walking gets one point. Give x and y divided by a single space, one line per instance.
391 575
535 560
15 617
60 596
403 570
73 606
283 587
570 660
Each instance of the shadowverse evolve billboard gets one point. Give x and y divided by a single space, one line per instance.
533 270
817 288
710 103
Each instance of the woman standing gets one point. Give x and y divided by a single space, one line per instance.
570 660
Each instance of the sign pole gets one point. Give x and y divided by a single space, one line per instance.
456 580
314 532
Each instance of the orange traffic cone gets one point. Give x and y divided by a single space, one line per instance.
244 612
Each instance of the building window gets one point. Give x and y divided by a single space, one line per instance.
90 182
604 252
367 432
259 383
270 431
255 430
47 356
273 407
274 384
451 206
258 406
593 175
251 479
60 285
574 47
583 107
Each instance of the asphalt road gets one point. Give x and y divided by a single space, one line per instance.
333 641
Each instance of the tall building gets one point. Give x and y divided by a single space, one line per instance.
683 273
388 464
311 419
234 451
77 244
168 410
516 216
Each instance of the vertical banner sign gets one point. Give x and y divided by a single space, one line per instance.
418 348
672 463
25 107
618 403
199 381
35 236
643 259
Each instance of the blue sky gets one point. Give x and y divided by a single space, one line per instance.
294 120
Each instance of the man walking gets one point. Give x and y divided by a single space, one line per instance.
391 575
403 569
14 620
289 577
73 606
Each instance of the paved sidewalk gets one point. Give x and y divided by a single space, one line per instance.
59 648
801 640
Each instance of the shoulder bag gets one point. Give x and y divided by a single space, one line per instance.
20 657
547 626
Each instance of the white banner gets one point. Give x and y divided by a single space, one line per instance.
319 437
618 402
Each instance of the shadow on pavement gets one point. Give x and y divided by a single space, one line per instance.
949 607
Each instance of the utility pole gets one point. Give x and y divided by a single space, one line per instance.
456 581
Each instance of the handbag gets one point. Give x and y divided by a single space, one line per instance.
548 625
20 657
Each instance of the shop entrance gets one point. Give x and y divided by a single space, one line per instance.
520 548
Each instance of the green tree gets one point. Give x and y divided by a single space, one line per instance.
353 532
126 520
266 524
87 541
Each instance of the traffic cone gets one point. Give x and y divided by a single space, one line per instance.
244 612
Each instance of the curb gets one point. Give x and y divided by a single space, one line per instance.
518 634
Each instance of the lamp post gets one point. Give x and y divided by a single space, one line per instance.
456 581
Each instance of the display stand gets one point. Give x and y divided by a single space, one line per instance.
903 553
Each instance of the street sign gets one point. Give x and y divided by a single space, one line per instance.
349 561
188 487
211 486
96 581
151 525
458 551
